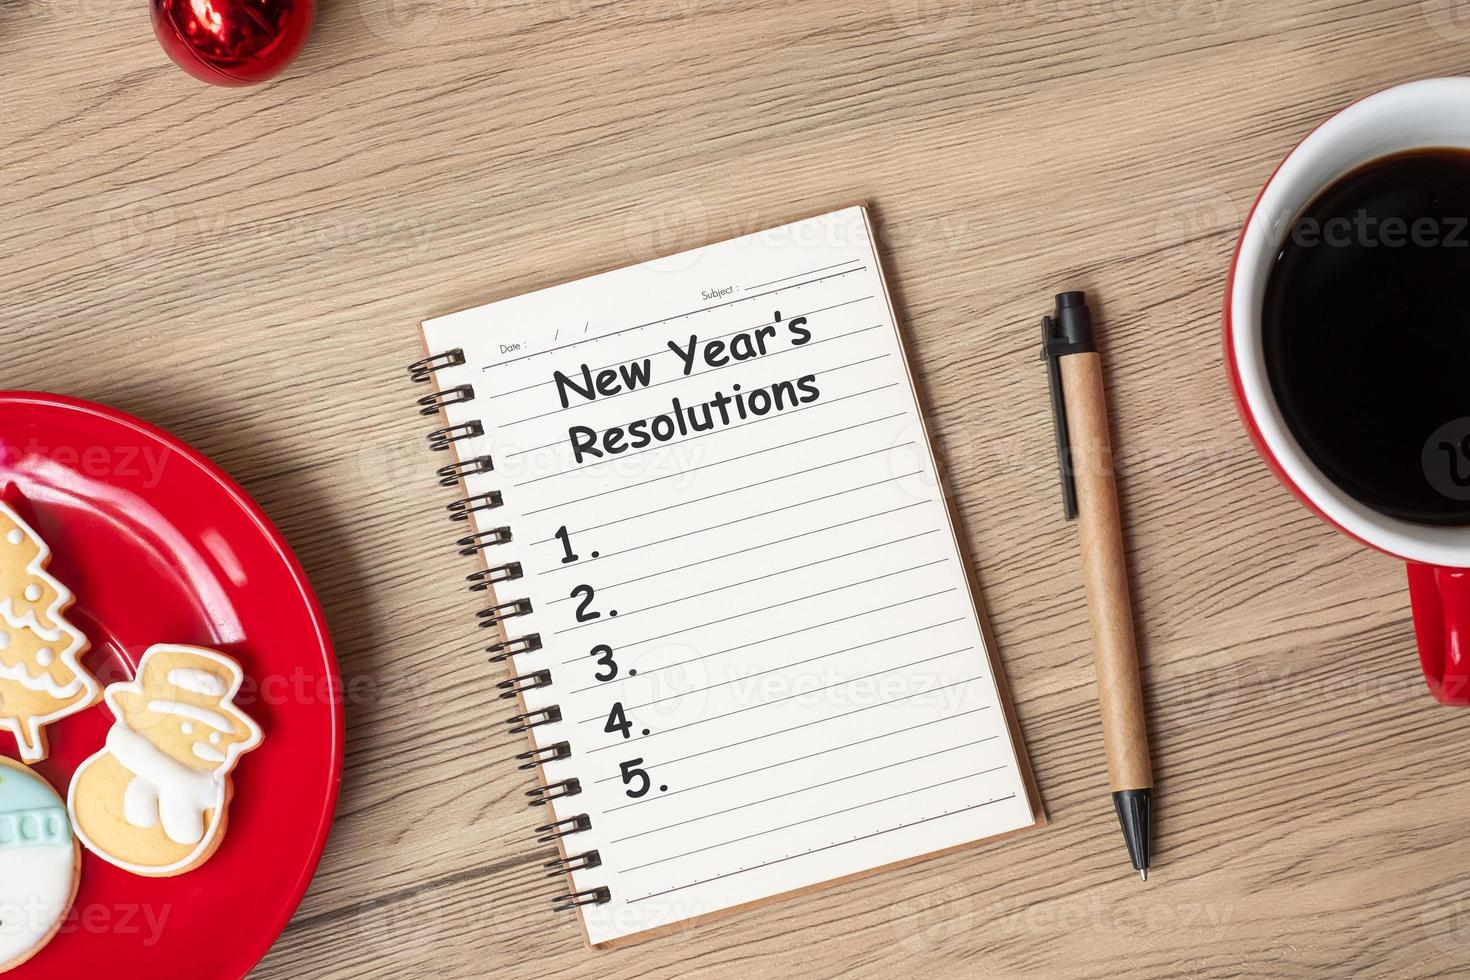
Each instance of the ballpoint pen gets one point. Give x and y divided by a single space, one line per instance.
1090 496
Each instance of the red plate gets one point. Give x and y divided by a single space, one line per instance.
160 546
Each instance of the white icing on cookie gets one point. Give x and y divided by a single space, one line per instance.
72 696
176 793
140 803
189 804
42 683
192 711
197 681
36 569
37 863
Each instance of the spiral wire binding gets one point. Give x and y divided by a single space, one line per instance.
580 862
592 896
430 404
552 832
516 724
462 510
422 371
495 615
501 652
482 580
514 687
551 753
440 439
449 476
472 544
542 795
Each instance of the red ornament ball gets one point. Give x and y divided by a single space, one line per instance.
233 42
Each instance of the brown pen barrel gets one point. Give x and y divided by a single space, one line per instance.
1105 574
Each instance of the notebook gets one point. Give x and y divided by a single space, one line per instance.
738 629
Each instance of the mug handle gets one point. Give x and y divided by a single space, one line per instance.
1441 601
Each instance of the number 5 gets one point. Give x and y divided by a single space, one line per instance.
631 772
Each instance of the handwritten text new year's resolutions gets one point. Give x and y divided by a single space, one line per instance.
722 409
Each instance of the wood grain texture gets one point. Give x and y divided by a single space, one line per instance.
247 269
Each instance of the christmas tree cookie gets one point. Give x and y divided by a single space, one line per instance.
41 681
40 864
28 593
154 801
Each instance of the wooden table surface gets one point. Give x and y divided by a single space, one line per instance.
247 269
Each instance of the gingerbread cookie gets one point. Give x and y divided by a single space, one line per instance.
155 801
28 593
41 681
40 864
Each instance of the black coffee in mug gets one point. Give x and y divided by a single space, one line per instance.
1366 329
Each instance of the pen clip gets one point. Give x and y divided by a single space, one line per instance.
1068 331
1051 353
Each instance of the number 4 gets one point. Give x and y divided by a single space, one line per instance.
617 721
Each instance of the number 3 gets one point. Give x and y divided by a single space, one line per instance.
604 655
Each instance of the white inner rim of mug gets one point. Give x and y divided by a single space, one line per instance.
1420 114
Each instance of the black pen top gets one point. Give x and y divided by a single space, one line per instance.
1071 326
1067 331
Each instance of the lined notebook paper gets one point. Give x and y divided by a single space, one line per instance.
749 651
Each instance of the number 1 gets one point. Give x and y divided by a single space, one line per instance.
566 544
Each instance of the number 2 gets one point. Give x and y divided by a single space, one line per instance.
584 613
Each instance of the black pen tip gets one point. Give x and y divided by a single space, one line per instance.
1134 807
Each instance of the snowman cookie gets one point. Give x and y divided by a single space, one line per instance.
40 864
28 593
155 800
41 681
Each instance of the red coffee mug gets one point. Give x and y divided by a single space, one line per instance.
1433 113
